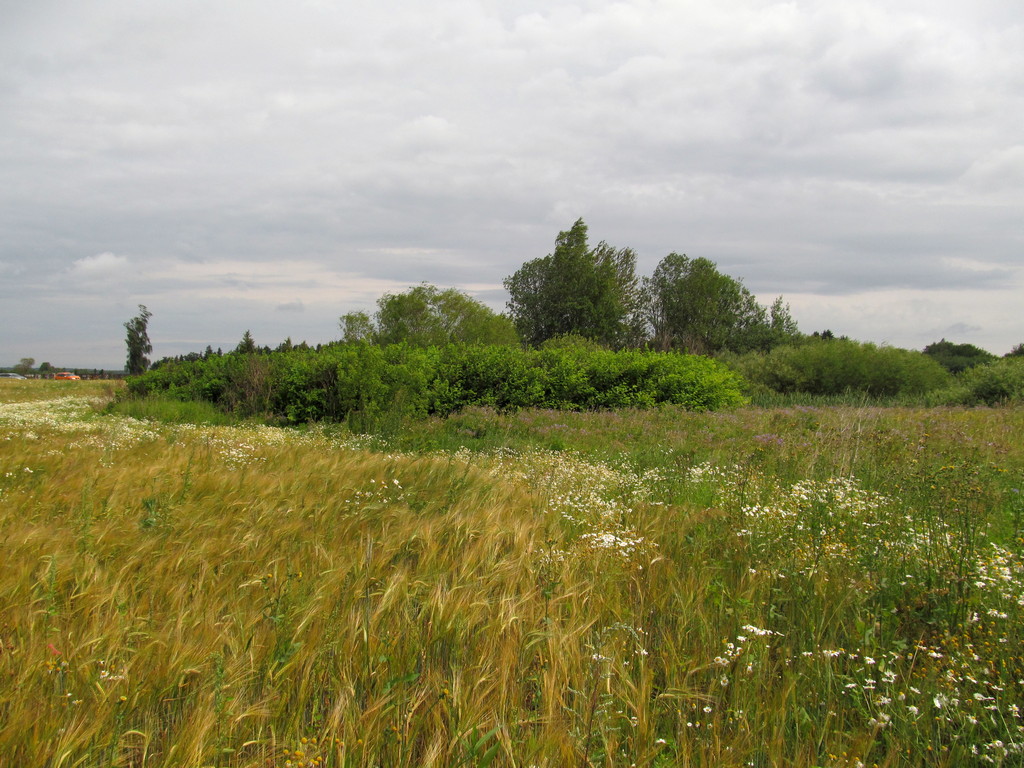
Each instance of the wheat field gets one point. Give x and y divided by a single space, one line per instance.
829 587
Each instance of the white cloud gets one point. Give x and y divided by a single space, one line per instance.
100 265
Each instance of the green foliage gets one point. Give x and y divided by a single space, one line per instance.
137 341
169 411
247 346
997 383
356 326
690 305
1017 351
371 386
426 316
591 292
24 365
500 377
837 366
957 357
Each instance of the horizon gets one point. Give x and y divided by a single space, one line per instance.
121 368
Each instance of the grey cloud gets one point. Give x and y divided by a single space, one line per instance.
803 146
960 329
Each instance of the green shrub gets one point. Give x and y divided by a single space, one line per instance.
500 377
374 388
958 357
838 366
997 383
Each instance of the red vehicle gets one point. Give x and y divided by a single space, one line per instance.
65 375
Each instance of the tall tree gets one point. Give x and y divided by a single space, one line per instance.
590 292
137 341
690 305
25 365
782 321
247 346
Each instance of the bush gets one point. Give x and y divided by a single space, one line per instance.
958 357
500 377
837 366
371 386
998 383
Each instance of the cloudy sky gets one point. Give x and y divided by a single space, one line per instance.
269 166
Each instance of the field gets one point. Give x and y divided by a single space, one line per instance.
801 586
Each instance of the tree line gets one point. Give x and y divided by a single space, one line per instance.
593 294
687 304
588 297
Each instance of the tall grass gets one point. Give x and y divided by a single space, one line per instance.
804 587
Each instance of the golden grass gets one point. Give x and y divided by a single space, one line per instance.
245 596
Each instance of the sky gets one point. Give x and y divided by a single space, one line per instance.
267 166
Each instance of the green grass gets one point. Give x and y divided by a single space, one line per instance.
802 586
172 411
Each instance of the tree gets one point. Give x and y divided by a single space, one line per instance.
137 341
592 293
1017 351
246 346
691 305
356 326
782 322
427 316
24 366
956 358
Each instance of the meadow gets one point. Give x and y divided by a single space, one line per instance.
798 586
